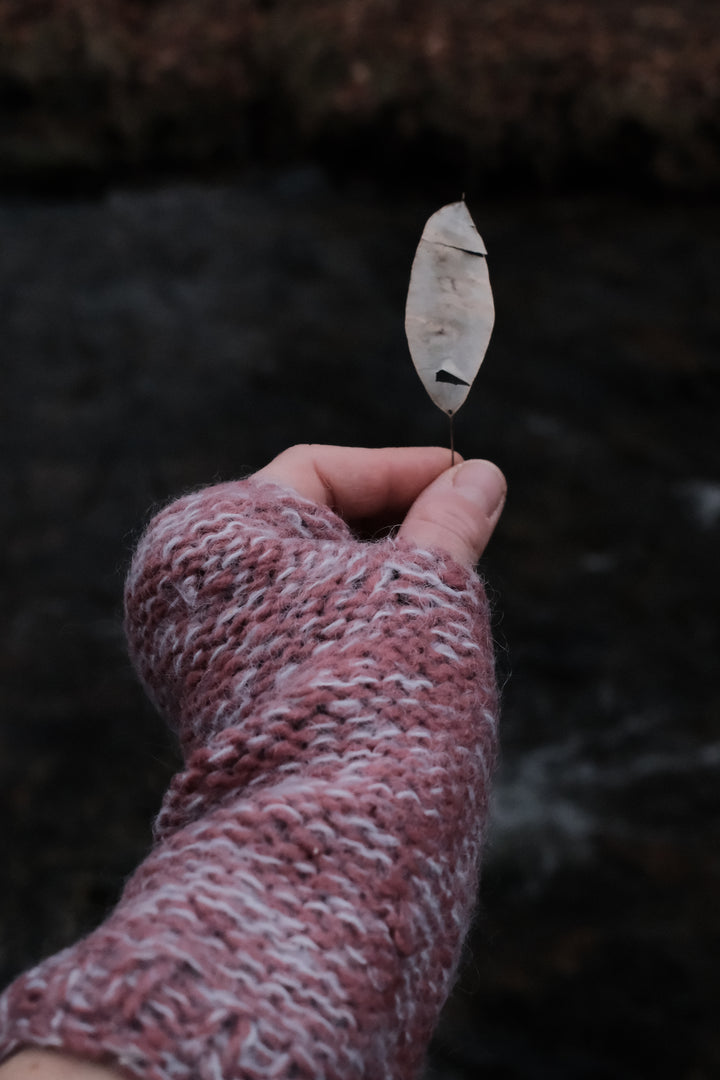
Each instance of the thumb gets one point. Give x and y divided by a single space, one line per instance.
458 512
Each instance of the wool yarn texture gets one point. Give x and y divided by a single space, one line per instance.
313 874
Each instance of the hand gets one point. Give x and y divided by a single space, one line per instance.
455 510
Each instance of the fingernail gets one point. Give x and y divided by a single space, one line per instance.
482 482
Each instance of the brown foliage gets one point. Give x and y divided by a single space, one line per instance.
514 84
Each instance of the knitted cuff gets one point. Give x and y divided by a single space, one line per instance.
302 911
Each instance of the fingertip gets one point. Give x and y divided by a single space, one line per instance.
458 512
483 482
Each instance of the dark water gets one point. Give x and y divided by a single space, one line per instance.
152 341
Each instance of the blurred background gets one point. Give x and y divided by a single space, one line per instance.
208 213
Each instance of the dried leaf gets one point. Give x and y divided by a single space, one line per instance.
450 313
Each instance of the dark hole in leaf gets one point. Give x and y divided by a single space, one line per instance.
446 376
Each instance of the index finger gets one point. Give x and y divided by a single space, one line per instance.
358 482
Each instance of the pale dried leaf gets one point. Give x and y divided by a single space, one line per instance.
450 313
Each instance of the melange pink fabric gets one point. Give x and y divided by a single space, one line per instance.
302 910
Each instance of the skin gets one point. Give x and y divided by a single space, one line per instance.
454 510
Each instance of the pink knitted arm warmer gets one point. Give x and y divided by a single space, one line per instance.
302 910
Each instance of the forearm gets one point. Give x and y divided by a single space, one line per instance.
303 909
